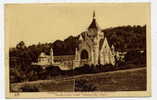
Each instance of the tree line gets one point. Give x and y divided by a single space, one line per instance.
124 38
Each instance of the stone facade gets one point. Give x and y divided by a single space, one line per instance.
93 49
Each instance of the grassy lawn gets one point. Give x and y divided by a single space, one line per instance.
44 86
122 80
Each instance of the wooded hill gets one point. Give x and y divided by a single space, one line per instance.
124 38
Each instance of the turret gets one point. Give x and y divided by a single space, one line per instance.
80 38
113 50
76 54
51 55
94 27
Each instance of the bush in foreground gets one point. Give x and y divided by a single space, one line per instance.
29 88
84 86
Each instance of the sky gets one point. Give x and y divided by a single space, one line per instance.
34 23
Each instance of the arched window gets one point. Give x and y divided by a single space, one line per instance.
84 54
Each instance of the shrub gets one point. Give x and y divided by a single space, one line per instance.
28 88
84 85
104 68
82 70
53 70
136 57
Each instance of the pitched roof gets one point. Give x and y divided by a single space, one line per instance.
101 43
94 25
82 35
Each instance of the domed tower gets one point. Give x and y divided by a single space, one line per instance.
95 34
94 31
89 43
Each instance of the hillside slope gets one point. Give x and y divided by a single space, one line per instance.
122 80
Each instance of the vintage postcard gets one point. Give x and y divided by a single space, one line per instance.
77 50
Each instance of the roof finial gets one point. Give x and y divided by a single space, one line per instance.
94 14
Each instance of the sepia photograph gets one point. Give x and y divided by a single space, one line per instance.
77 50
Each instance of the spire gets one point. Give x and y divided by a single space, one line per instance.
76 54
93 14
51 55
51 52
94 24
